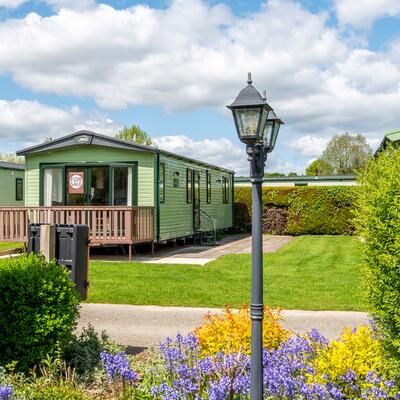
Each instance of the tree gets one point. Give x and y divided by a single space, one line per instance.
11 158
134 134
292 174
319 167
347 154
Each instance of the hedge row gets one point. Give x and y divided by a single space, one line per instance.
300 210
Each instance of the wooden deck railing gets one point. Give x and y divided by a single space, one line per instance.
108 225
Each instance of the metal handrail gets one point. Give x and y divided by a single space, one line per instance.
214 222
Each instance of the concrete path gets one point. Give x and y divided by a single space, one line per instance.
146 326
201 255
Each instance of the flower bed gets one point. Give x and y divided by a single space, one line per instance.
302 367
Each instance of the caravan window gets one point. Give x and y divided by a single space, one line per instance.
53 187
162 182
225 190
208 186
189 185
122 186
19 189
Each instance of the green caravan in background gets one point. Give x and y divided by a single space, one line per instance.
11 184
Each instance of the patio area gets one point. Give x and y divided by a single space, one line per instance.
201 255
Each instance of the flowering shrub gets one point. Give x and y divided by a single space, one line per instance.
231 332
356 350
6 392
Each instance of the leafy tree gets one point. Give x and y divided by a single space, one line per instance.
347 154
11 158
134 134
292 174
319 167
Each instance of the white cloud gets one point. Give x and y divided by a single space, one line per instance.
192 55
24 123
11 3
363 13
166 57
310 146
78 5
222 152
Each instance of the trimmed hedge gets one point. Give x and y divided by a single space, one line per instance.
378 223
300 210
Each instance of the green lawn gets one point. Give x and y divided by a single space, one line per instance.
310 273
8 246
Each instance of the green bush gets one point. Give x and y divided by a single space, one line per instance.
39 308
308 210
52 379
83 353
378 222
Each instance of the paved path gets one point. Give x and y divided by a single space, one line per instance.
146 326
201 255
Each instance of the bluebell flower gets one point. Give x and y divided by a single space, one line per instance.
117 367
6 392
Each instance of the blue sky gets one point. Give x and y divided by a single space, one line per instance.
329 67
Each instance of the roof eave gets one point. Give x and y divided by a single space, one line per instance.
104 140
93 138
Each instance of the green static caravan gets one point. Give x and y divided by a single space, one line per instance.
11 184
391 138
87 169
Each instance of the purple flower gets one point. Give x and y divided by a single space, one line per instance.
117 367
6 392
190 375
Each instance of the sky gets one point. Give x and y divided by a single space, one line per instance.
171 67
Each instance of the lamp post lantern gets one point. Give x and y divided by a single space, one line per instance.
271 131
257 126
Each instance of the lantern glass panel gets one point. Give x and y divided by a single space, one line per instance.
248 121
269 126
264 118
274 136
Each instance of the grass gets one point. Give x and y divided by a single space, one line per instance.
310 273
7 246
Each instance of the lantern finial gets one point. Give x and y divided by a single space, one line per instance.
249 81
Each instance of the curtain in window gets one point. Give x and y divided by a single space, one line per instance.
52 187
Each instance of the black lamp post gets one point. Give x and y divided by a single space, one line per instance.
257 126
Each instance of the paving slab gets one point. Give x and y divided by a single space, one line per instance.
147 326
201 255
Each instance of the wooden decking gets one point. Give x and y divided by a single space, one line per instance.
108 225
